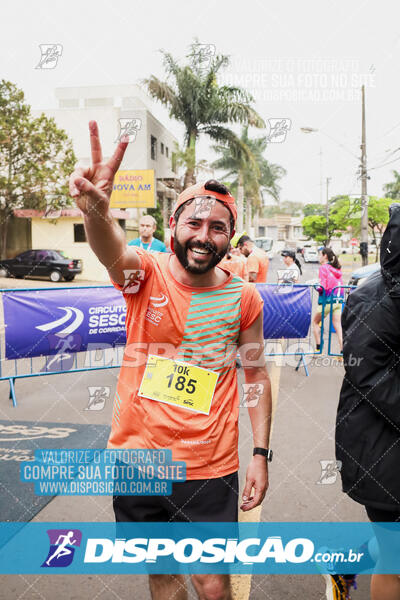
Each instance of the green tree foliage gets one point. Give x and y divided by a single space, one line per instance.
157 214
345 215
313 209
392 189
36 158
287 207
252 173
193 97
378 217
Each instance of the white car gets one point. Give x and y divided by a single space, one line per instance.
310 255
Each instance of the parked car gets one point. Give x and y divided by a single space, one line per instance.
360 276
269 245
41 263
310 254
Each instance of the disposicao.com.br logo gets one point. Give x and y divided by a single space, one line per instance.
191 550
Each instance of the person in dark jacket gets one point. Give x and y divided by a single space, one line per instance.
368 417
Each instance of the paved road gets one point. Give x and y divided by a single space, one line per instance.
302 436
303 429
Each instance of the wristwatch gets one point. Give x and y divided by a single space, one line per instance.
264 452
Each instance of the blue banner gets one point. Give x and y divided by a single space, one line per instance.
287 310
64 321
252 548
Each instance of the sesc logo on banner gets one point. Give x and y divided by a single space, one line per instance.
47 322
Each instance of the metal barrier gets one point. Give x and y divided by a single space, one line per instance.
338 299
111 358
297 347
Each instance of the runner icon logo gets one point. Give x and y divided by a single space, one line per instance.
202 55
132 280
50 53
129 129
62 547
251 394
329 471
97 397
278 129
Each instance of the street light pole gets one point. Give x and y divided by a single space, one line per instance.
327 210
321 178
364 177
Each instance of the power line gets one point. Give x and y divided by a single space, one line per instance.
384 164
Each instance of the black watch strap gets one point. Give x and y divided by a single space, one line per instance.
264 452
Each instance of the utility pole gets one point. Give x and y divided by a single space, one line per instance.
321 179
364 177
327 210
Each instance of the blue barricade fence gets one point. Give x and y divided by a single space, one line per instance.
73 329
338 299
56 331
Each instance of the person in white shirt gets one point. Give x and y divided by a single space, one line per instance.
292 264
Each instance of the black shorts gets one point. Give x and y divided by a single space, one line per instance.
377 515
197 500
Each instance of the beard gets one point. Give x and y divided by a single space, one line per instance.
194 267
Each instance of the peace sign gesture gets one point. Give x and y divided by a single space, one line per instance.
92 186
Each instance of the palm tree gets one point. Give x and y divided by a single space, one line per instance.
237 160
392 189
254 175
193 96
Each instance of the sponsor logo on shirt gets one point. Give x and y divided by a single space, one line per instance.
153 315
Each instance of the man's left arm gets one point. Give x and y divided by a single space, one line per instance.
251 348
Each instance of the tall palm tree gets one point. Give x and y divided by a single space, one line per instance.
237 160
254 175
392 189
194 98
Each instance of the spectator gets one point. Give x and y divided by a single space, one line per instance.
257 259
330 277
292 265
368 417
147 227
235 264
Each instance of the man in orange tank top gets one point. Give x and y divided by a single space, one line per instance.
257 259
235 264
183 311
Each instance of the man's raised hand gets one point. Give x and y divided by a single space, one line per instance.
91 187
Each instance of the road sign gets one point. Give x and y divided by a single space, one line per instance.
354 242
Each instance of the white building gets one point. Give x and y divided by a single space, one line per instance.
113 106
152 147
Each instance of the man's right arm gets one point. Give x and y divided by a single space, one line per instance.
91 188
107 240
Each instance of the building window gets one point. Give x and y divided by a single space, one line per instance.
162 148
79 232
94 102
153 147
69 103
261 230
174 162
166 151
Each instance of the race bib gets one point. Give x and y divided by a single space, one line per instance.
178 383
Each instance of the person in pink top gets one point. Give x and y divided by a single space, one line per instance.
330 277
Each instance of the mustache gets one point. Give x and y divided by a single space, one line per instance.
207 246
